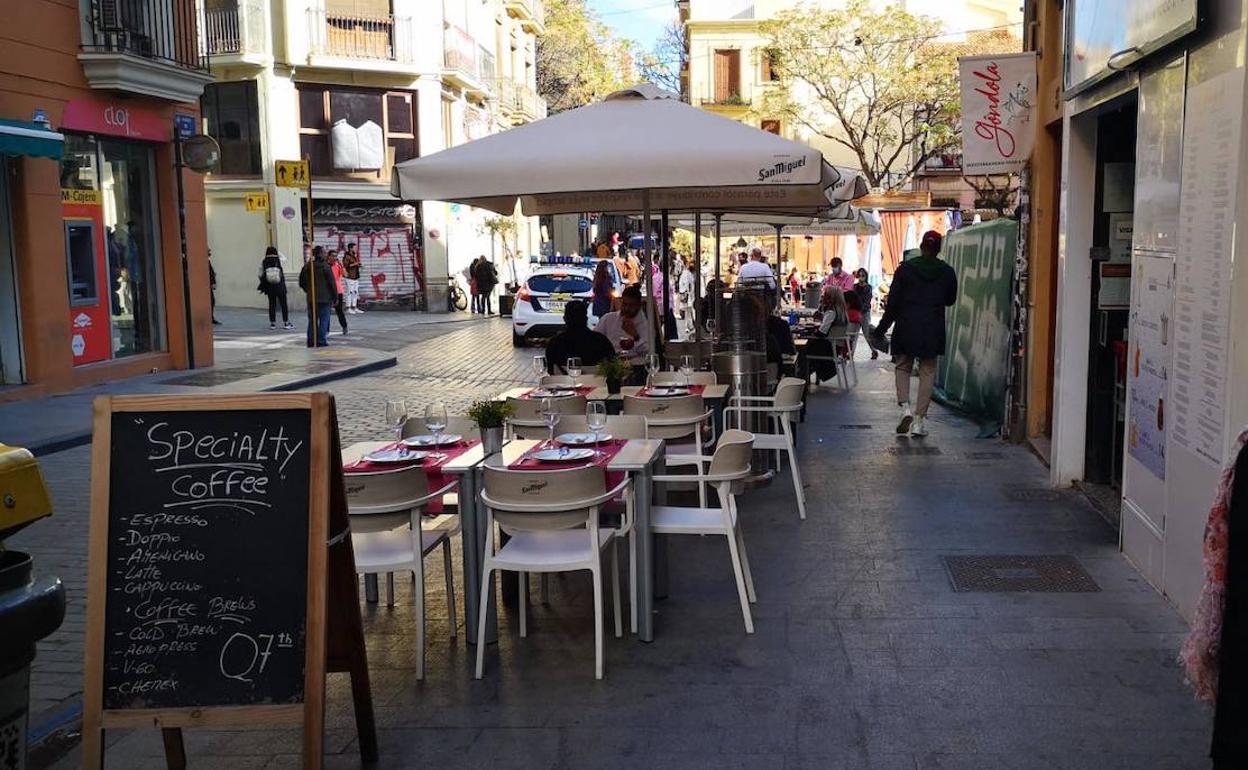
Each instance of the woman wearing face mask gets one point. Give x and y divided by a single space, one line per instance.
864 291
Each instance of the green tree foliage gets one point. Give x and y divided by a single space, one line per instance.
662 65
578 59
873 79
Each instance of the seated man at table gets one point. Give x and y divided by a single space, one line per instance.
628 329
578 340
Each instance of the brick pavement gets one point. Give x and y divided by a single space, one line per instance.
864 656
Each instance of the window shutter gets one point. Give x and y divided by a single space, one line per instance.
721 75
734 73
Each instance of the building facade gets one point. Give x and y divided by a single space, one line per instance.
728 70
355 86
1138 371
91 266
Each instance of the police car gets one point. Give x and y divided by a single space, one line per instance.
552 283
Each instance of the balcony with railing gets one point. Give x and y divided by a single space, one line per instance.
334 35
462 60
234 31
519 103
530 13
149 47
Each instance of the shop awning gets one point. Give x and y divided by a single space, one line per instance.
19 137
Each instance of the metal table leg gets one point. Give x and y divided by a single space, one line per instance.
370 588
472 522
644 490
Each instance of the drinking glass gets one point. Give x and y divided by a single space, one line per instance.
574 368
396 416
596 419
539 368
550 413
435 421
686 368
653 367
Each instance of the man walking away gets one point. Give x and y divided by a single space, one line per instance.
757 269
273 286
318 314
922 288
487 279
578 340
351 264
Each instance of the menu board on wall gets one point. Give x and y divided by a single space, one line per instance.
1212 131
1149 362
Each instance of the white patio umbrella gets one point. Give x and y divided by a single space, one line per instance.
639 150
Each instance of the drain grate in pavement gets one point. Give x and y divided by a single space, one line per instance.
913 449
985 455
1032 495
858 426
1021 574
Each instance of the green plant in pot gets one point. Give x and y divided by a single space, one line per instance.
490 417
615 371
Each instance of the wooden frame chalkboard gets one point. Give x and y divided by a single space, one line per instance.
177 480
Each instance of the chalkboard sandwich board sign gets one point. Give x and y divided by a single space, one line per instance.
212 554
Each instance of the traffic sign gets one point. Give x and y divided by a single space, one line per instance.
257 201
584 224
292 173
184 124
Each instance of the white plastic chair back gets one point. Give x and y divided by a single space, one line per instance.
562 380
732 456
530 409
464 426
383 501
553 493
676 378
789 393
618 425
666 409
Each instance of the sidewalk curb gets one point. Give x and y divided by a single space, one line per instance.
63 441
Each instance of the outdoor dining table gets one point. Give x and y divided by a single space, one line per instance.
641 458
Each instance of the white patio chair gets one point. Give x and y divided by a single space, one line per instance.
464 426
552 517
526 419
672 419
385 511
726 469
781 410
669 379
567 380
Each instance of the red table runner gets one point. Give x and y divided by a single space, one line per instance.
581 390
607 451
432 466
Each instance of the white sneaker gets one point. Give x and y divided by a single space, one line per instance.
907 418
272 326
919 427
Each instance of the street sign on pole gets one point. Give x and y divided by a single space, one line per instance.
291 173
184 124
256 201
584 224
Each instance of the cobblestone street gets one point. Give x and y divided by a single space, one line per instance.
864 655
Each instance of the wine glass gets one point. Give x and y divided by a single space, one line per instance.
574 368
653 367
550 413
539 367
396 416
596 419
435 421
686 368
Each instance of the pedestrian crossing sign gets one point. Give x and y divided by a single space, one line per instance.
291 173
257 201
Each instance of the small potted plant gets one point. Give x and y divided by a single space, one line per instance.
614 370
490 417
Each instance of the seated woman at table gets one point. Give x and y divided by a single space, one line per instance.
576 339
628 329
833 318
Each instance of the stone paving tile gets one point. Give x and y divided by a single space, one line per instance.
863 656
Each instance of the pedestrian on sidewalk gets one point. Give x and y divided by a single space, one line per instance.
603 289
351 264
212 289
335 265
317 273
862 287
839 278
921 290
487 279
273 285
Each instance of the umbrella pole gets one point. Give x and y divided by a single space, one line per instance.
719 294
779 245
665 260
649 259
694 309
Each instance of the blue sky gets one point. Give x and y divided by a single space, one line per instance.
639 20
